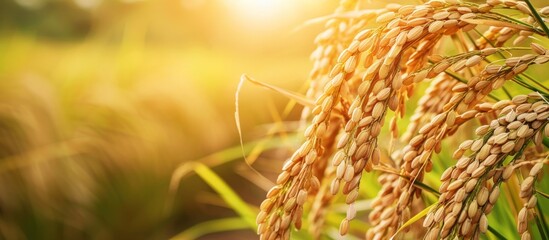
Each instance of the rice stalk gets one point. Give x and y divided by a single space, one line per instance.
370 62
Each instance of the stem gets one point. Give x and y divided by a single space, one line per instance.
456 77
421 185
487 40
506 92
535 81
540 221
512 20
525 85
545 195
496 233
538 17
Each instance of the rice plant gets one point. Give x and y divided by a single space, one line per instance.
445 102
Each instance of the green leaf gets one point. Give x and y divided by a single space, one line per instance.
227 194
219 158
414 219
213 226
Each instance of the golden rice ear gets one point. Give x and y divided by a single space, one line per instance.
470 192
297 177
527 194
360 73
432 103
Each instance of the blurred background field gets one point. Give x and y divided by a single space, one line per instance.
100 101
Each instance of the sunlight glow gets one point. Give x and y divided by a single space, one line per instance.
259 10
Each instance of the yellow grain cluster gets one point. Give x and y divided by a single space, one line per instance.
371 62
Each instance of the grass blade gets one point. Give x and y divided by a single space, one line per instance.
213 226
545 195
218 158
496 233
227 194
540 221
538 17
414 219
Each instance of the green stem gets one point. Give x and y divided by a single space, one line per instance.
473 40
456 77
542 224
421 185
538 17
506 92
487 40
496 233
512 20
545 195
525 85
535 81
